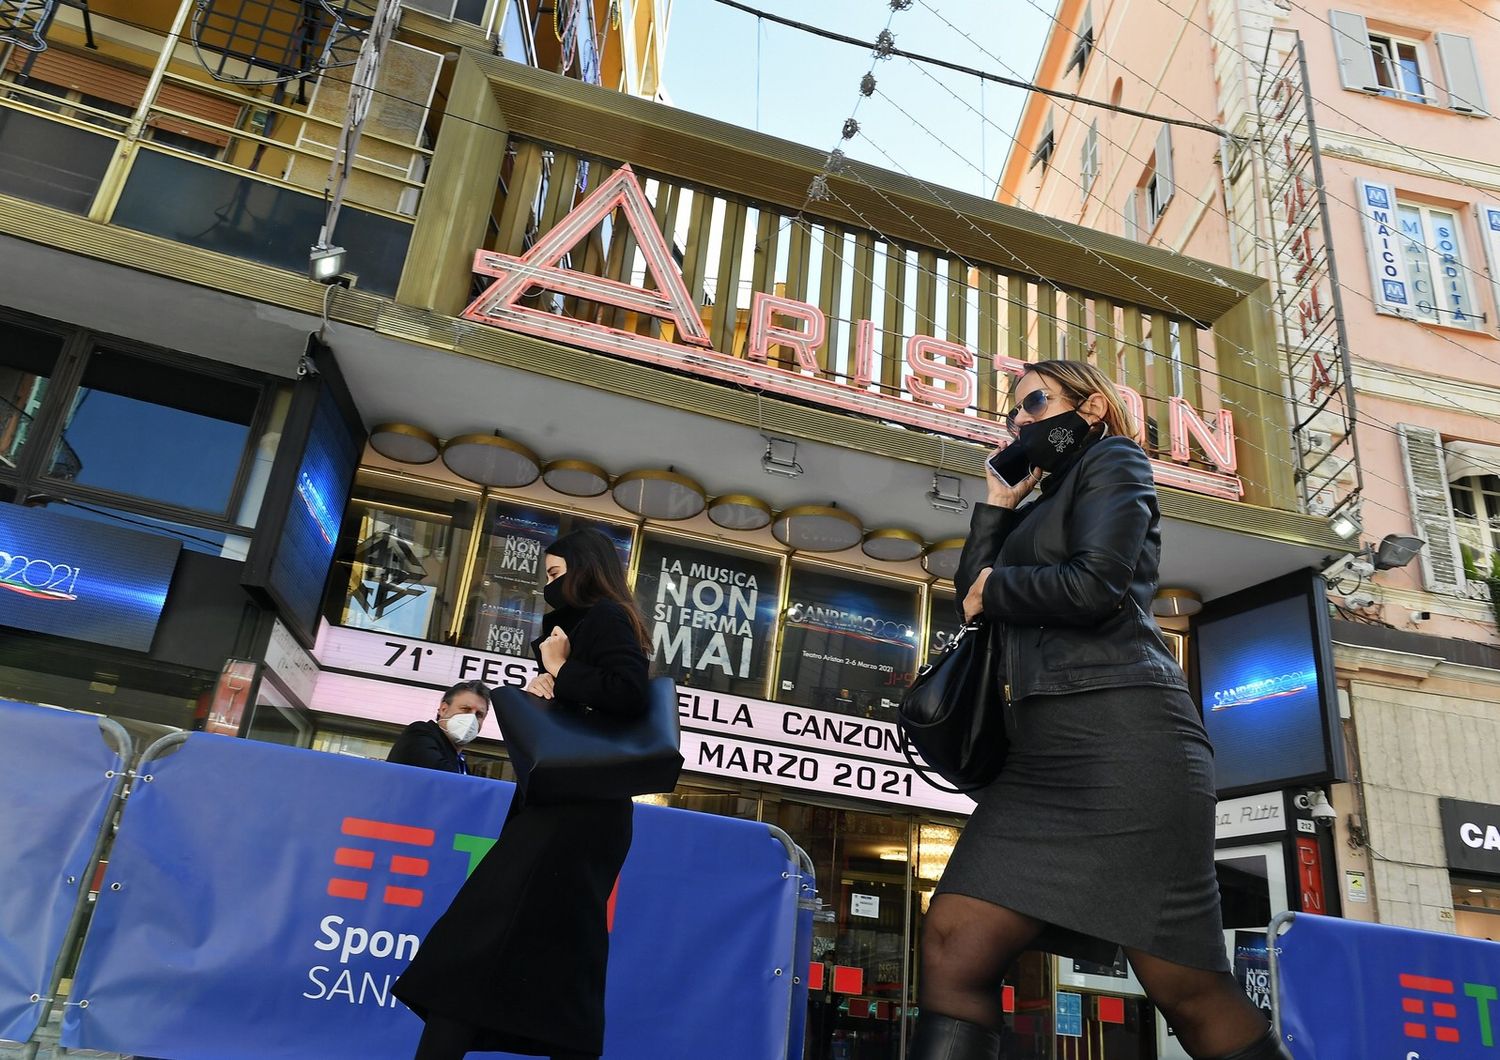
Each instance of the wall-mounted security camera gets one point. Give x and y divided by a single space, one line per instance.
1358 601
1317 806
1354 563
1421 616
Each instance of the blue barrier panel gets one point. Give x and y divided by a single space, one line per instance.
260 913
57 779
1346 989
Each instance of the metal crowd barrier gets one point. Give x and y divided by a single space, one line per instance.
260 900
61 775
1347 989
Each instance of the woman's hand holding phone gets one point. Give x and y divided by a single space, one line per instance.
1003 493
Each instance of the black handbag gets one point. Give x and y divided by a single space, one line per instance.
567 753
953 713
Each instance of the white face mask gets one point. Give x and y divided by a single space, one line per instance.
462 728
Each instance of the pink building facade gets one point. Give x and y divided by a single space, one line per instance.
1349 154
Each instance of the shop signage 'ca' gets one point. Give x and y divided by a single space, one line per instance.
940 384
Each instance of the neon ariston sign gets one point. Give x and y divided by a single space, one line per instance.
940 384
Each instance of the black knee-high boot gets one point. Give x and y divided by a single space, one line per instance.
1266 1047
940 1037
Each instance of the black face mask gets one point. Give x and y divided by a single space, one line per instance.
562 614
1048 443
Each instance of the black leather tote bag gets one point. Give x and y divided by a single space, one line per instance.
954 713
564 753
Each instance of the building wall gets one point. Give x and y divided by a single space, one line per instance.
1420 738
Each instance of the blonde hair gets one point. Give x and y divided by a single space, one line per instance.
1078 380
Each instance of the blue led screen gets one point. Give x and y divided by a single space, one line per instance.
1260 694
304 554
82 579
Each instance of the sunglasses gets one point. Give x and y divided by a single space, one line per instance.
1033 404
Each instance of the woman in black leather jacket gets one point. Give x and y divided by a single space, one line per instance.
1099 832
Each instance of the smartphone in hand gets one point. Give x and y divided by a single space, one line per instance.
1010 465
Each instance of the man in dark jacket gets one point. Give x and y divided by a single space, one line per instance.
439 744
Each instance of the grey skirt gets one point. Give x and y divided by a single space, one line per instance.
1101 825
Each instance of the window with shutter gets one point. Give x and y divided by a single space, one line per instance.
1131 213
1089 162
1461 73
1079 57
1351 44
1432 509
1044 146
117 89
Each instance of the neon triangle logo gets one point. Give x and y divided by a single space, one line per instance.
540 268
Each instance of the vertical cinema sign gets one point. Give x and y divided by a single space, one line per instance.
940 384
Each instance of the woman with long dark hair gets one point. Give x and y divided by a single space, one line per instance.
1098 833
517 963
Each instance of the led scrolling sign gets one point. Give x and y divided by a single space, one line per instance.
940 384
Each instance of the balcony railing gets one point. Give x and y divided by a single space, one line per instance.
214 145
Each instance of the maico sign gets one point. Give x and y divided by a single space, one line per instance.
82 579
940 386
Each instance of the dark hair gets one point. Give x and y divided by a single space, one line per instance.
595 574
479 688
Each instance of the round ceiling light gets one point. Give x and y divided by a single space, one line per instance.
740 511
1176 603
655 494
817 528
491 460
576 478
404 443
893 545
941 557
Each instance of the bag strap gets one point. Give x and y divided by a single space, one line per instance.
933 779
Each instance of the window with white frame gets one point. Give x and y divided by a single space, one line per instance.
1157 186
1084 47
1089 162
1437 266
1476 513
1453 489
1400 68
1384 61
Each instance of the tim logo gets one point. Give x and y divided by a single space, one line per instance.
388 840
1420 999
1430 1013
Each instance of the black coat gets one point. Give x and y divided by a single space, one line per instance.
1073 577
522 950
425 744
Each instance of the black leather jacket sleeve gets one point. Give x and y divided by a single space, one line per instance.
988 528
1110 516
